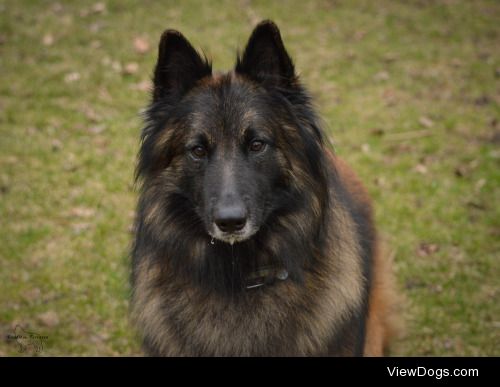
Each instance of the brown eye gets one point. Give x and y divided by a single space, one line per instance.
257 146
199 152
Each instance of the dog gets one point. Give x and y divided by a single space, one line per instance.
251 237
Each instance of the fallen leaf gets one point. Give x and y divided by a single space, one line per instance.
48 39
56 145
461 171
95 44
396 149
99 7
100 142
495 137
90 113
96 129
72 77
98 338
49 319
96 27
84 12
70 167
141 45
381 76
66 20
426 249
448 344
116 66
377 132
390 97
130 68
414 283
390 57
480 184
426 122
358 35
475 205
420 168
495 232
82 212
351 55
495 154
380 181
482 100
104 94
142 86
78 228
435 288
56 7
32 294
464 170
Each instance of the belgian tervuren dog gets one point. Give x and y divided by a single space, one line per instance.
252 238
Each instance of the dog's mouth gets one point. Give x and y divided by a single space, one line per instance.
232 237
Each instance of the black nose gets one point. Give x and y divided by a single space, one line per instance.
230 219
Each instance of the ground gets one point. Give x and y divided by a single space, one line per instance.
409 93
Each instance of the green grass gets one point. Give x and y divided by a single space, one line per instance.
409 92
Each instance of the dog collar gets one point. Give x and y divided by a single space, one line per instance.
265 275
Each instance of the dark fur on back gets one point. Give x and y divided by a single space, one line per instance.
189 295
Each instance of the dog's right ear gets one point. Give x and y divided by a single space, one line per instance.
178 68
265 58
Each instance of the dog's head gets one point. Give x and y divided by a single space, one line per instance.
236 147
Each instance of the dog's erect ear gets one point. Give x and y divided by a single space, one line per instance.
178 68
265 58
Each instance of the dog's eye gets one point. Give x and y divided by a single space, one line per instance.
199 152
257 146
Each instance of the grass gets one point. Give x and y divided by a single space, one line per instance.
409 92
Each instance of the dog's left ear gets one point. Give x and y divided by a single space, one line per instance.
265 59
